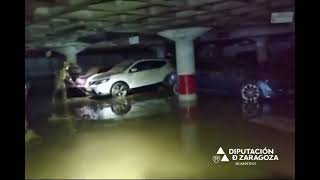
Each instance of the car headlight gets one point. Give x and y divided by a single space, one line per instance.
101 81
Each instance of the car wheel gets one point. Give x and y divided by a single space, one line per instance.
121 108
175 89
119 89
250 92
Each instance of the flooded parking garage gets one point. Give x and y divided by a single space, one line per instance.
152 135
217 81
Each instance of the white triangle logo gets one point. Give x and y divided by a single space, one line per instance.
220 151
224 159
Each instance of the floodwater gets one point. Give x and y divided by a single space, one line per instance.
149 135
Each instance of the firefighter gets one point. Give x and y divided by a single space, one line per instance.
25 115
60 89
29 134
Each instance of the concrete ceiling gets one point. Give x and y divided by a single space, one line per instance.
59 22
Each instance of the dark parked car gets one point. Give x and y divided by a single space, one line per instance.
248 82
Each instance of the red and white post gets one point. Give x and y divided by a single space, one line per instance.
186 70
185 59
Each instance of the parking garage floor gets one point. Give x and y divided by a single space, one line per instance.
151 135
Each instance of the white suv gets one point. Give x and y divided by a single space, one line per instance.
129 75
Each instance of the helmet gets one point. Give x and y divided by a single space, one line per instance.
66 65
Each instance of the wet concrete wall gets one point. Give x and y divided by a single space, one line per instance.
276 46
41 67
88 60
234 50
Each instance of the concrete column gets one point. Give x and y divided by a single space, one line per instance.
70 52
262 51
185 59
71 57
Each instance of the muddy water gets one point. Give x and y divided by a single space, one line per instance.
151 136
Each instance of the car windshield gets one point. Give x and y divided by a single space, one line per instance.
121 67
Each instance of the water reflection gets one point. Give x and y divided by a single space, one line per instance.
119 109
153 137
269 115
189 127
251 109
